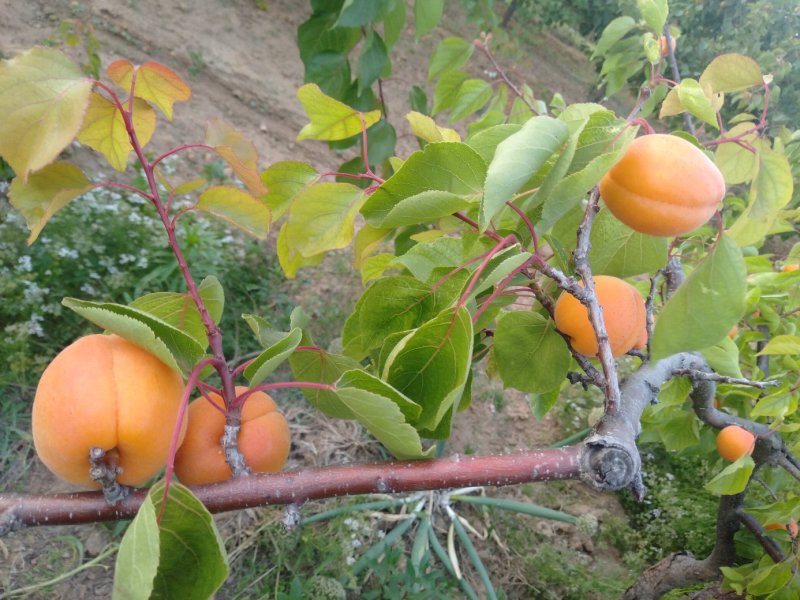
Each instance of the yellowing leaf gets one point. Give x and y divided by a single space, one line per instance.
154 83
43 96
238 151
238 208
45 193
731 73
104 129
426 128
330 119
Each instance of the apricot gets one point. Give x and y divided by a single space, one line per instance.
790 268
663 42
791 527
733 442
104 391
663 185
264 439
623 313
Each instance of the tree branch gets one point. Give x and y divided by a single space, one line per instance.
21 510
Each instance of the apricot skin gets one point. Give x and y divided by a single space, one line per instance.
103 391
734 442
623 313
663 186
264 440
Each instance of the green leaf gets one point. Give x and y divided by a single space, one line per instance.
195 563
172 346
238 151
138 557
732 73
472 95
423 208
238 208
176 309
372 61
284 180
529 353
43 97
517 158
723 357
369 383
541 404
318 34
694 99
771 578
738 164
680 431
265 333
45 193
427 14
331 72
390 305
431 364
323 367
383 419
614 32
331 119
618 250
777 405
213 297
733 479
770 191
424 260
654 13
357 13
321 218
451 53
782 344
393 24
446 90
706 305
485 142
446 166
269 360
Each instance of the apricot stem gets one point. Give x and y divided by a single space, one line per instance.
104 470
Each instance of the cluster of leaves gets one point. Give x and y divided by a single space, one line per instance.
338 28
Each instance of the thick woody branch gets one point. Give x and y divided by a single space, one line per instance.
21 510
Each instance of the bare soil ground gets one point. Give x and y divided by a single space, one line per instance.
243 65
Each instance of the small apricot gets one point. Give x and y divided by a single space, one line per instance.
663 42
663 185
623 313
791 527
789 268
263 439
733 442
104 391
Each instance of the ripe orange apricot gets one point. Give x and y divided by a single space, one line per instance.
734 442
104 391
790 268
791 527
663 185
663 42
264 439
623 312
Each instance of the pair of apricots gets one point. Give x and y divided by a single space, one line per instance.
104 391
663 186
